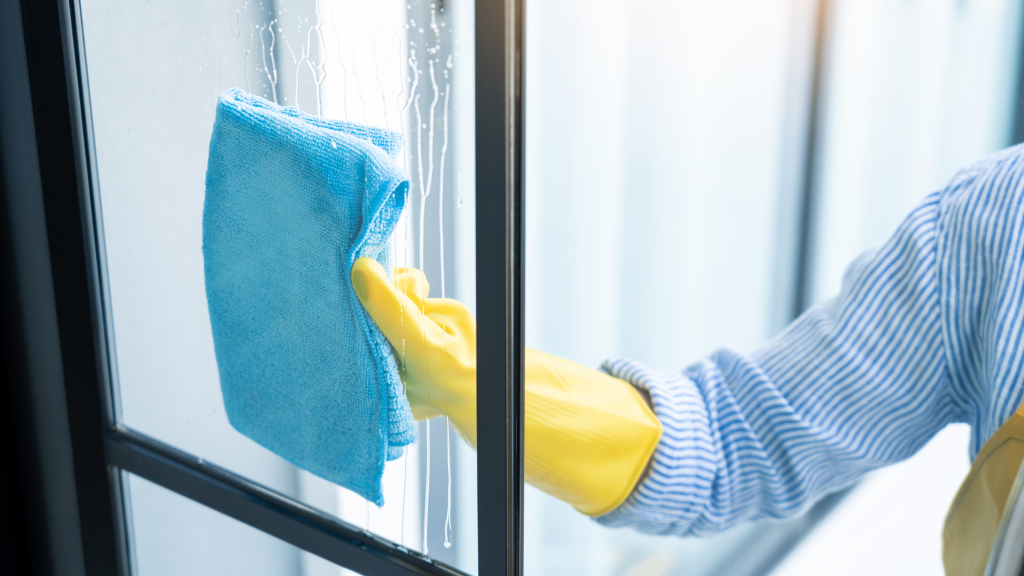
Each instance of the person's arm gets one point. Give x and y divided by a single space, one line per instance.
854 384
589 436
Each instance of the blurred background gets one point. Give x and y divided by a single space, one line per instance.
697 174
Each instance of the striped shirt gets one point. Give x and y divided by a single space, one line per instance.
927 330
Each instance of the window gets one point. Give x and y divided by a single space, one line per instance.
145 84
686 176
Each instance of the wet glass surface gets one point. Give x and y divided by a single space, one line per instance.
155 71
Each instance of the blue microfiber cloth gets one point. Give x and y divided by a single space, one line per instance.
291 202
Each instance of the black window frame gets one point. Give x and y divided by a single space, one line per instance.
55 317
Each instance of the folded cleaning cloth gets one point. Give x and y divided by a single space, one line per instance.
291 202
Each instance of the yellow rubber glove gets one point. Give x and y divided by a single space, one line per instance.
589 436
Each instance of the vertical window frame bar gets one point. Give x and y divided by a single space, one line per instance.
499 285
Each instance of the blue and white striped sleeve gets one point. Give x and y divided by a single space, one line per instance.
854 384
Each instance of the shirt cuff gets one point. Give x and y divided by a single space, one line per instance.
676 490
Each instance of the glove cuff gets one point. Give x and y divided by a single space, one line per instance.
588 436
680 406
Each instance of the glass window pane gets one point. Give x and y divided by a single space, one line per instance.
660 172
172 535
914 94
155 71
665 154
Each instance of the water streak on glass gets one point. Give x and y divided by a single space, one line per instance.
424 192
272 78
236 30
444 320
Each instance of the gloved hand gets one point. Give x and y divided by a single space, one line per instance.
434 341
589 436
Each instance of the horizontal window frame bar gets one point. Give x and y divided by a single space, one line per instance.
265 509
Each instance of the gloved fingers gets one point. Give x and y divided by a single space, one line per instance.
398 317
452 316
413 283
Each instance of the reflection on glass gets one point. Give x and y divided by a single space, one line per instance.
154 73
172 535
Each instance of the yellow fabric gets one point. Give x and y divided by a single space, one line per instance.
589 436
973 519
